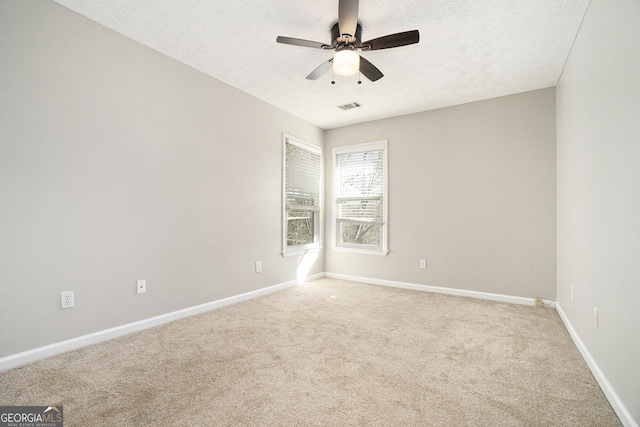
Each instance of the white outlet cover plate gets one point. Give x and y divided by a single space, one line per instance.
67 299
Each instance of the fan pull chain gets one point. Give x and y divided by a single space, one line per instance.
333 78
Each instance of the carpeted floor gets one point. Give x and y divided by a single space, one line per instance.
328 353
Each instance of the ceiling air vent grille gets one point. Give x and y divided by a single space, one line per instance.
350 106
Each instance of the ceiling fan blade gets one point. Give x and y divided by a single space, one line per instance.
323 68
392 40
369 70
348 17
302 42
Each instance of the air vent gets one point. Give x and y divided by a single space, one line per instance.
350 106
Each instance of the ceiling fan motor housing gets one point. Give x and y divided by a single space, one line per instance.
337 38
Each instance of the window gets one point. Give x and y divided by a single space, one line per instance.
360 198
301 196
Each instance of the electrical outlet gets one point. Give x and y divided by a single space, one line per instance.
539 302
423 263
571 293
141 286
258 266
596 316
66 299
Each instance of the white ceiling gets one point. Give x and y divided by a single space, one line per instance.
469 50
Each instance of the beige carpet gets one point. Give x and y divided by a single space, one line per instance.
329 353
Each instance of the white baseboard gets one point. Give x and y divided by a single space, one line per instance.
606 387
440 290
30 356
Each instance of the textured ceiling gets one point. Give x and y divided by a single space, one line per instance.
469 50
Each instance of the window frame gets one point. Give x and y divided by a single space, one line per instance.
318 213
382 249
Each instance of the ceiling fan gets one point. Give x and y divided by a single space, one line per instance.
346 36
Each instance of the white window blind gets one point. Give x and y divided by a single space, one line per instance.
361 186
302 172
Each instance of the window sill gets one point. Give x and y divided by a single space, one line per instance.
360 251
301 251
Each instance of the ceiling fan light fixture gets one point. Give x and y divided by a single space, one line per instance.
346 36
346 63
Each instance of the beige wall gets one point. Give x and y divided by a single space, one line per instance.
598 103
472 189
118 163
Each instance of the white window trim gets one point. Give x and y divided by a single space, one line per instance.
319 217
367 146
